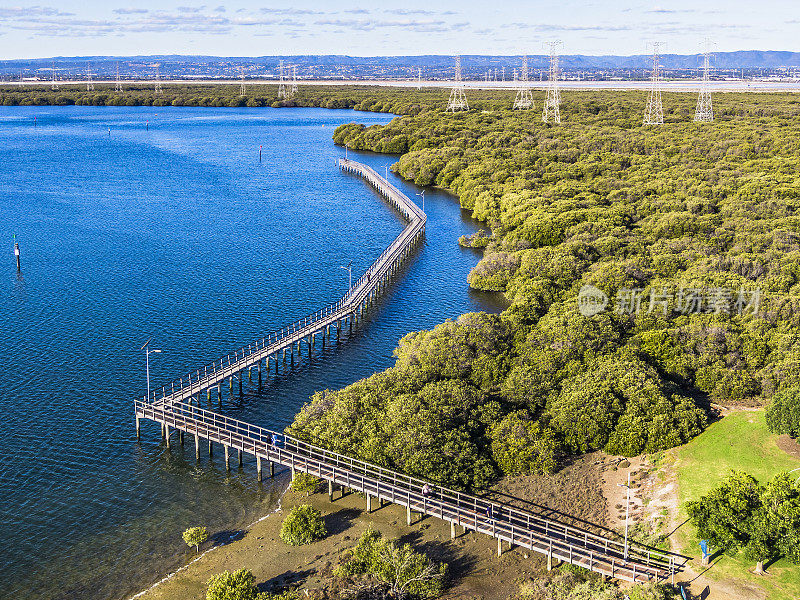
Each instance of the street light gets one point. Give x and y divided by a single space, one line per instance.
349 269
147 352
386 170
422 193
627 510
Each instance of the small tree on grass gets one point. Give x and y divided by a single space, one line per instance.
303 482
238 585
783 413
303 526
194 536
740 513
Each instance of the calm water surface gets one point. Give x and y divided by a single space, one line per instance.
179 233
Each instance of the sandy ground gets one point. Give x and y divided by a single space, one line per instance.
475 570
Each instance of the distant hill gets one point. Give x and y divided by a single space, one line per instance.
331 66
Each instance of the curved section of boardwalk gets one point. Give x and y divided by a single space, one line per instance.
343 312
177 407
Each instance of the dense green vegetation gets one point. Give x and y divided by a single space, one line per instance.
381 568
742 514
368 98
303 525
688 229
783 413
571 583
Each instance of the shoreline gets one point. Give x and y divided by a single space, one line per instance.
232 539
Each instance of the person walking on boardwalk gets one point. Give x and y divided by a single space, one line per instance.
426 490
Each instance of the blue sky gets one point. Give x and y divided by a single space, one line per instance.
246 28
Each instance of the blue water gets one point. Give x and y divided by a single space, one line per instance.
179 233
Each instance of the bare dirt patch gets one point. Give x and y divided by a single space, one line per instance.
573 494
789 445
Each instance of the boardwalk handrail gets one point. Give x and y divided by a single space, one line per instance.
210 374
506 522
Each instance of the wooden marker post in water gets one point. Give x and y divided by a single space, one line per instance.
16 253
259 154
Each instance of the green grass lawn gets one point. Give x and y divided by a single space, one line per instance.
742 442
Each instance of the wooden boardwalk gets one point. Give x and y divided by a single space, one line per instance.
177 407
343 313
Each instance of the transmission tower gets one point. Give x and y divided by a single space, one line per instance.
242 92
524 99
89 82
294 80
118 85
419 79
158 79
654 113
54 85
552 104
282 84
704 113
458 101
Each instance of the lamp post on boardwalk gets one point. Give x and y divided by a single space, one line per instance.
627 510
422 193
349 269
386 170
147 352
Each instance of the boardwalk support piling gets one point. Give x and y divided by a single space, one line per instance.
258 467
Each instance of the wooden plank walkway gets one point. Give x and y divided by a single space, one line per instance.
346 311
554 539
177 406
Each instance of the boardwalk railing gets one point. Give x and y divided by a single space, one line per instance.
506 523
172 406
349 306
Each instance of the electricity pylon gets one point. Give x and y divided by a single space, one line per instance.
118 85
89 82
552 104
242 91
158 79
654 113
282 84
458 101
54 85
294 80
524 99
704 113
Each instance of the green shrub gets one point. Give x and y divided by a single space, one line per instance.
302 526
521 446
401 570
783 413
236 585
303 482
